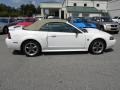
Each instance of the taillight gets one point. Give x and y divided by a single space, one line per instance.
9 36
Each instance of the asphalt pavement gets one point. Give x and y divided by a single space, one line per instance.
60 71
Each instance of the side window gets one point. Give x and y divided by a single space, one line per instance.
74 4
45 28
58 27
70 29
85 5
98 5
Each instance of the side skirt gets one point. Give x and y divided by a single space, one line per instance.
64 50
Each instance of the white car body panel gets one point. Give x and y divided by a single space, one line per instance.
59 41
15 27
65 40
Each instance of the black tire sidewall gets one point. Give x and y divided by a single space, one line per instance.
91 46
38 46
5 30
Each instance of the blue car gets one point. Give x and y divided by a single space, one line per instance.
83 23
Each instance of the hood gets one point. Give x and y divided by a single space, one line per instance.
84 25
94 31
110 23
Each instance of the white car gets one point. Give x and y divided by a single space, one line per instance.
116 19
15 27
58 35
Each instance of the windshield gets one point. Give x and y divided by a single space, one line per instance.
106 19
4 20
79 20
103 19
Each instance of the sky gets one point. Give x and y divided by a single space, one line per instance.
17 3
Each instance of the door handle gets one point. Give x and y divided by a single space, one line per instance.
53 36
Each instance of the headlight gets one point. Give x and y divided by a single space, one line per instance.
111 38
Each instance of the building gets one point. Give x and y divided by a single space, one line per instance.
76 8
51 9
114 8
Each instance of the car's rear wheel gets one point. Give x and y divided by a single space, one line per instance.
31 48
97 46
5 30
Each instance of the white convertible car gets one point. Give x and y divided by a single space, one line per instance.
58 35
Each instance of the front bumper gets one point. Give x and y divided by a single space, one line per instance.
111 43
112 29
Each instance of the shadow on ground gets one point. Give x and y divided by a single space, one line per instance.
2 34
108 50
17 52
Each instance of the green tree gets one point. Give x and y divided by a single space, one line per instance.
28 9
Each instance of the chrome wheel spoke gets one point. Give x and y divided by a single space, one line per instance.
31 48
98 47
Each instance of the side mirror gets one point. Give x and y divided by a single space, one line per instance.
77 31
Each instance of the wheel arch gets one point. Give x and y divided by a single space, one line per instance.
98 39
102 26
4 28
21 47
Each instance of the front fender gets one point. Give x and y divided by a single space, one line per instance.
91 38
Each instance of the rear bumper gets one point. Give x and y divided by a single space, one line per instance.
11 44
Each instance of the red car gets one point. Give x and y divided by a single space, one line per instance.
26 22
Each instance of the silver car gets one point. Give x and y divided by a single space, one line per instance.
5 23
106 24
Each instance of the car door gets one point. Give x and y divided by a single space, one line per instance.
64 36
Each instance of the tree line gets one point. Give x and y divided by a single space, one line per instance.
23 10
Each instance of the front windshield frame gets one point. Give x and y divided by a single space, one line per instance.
103 19
106 19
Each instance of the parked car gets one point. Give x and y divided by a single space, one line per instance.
26 22
116 19
15 27
58 35
5 23
23 23
83 23
106 24
51 17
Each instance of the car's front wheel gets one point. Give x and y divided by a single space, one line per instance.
97 46
31 48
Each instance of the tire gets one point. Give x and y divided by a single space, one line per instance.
102 28
31 48
5 30
97 47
